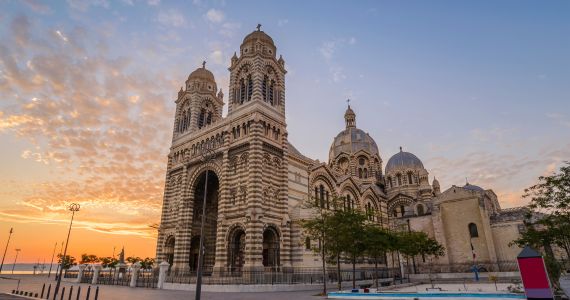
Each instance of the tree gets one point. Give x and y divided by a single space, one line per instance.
147 263
133 259
550 201
109 262
68 261
415 243
316 228
349 234
88 258
378 242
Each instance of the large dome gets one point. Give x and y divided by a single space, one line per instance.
405 160
352 140
473 187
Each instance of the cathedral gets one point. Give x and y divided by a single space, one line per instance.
256 183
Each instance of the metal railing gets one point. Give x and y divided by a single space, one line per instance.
289 276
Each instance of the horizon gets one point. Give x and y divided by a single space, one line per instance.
477 91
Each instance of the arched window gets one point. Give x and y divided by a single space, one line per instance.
473 233
402 210
316 196
365 173
209 119
202 118
348 202
389 181
264 88
361 161
242 92
308 243
359 173
271 92
399 178
249 87
410 178
328 203
322 195
420 210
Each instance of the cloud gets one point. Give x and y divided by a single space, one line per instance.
171 18
215 16
559 118
217 57
84 5
328 50
101 132
38 6
282 22
153 2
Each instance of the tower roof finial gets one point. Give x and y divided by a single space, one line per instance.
348 102
203 64
258 27
401 149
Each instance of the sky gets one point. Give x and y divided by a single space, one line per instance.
478 90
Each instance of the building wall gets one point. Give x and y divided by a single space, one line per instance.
503 234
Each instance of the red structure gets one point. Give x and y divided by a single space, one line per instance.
533 274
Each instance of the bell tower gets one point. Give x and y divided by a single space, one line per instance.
257 76
197 105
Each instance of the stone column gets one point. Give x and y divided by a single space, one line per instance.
135 273
163 268
96 270
80 273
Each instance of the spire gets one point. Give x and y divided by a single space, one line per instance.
258 27
349 116
203 64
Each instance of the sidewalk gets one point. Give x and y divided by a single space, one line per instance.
565 284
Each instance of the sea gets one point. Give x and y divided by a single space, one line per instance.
27 268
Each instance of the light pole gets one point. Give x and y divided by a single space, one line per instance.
52 256
6 249
13 265
73 208
207 156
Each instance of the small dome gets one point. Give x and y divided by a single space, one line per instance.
352 140
258 35
472 187
403 159
202 73
435 182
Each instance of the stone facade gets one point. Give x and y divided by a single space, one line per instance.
257 182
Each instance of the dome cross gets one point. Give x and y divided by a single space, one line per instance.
258 27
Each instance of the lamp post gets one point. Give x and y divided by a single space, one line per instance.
74 207
6 249
207 157
52 256
14 264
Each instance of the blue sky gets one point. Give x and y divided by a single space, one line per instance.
476 89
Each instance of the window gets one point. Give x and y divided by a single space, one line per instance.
328 204
361 161
403 210
390 181
473 233
420 210
317 196
399 178
322 195
264 87
249 87
202 118
365 173
271 92
410 178
209 119
307 243
359 173
242 92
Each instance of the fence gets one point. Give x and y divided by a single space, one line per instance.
482 266
292 276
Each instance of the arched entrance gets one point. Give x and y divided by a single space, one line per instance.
169 250
210 223
236 250
270 247
194 252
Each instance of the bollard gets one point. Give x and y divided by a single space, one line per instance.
49 290
88 292
62 293
96 293
70 292
78 292
43 288
35 295
13 291
26 294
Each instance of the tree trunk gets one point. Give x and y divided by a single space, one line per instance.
353 272
324 268
376 272
338 272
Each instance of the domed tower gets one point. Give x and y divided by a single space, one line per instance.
405 174
353 152
257 76
436 187
197 105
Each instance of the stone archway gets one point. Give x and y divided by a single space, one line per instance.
270 248
211 220
236 249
